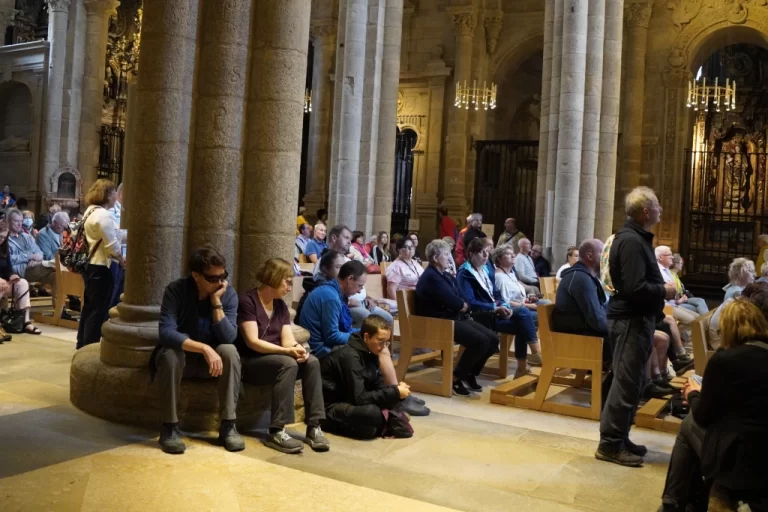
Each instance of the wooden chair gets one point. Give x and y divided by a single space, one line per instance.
383 266
548 288
306 267
67 283
560 350
701 352
297 291
424 332
303 259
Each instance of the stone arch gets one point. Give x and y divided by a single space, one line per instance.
513 52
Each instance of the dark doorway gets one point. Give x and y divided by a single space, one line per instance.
505 182
111 153
402 194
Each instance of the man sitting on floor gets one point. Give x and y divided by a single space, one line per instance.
198 329
354 390
326 316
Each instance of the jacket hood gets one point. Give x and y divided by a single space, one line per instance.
577 267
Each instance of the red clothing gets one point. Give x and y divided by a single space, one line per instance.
460 258
448 227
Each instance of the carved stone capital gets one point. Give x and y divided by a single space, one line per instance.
324 31
493 23
101 7
638 14
58 5
6 18
464 23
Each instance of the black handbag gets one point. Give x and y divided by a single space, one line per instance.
13 319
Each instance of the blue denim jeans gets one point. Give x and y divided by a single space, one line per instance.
697 305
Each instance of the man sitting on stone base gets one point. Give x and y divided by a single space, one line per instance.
354 389
198 329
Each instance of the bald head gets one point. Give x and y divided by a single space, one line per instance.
589 254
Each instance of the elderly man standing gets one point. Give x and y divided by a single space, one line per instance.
26 256
511 235
633 312
524 266
49 238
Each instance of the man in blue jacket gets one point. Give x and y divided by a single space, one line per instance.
326 316
198 328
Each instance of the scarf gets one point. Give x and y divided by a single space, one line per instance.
482 277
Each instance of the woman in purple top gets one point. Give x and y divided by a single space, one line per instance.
271 356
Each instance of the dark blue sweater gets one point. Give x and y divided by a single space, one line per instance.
437 295
580 303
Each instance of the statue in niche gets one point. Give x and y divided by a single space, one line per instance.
67 185
737 190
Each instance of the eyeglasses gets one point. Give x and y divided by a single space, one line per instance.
216 279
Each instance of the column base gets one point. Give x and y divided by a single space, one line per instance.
130 335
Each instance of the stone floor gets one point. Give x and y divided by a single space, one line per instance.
468 455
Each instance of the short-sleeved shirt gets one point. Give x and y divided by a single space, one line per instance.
315 247
251 309
404 274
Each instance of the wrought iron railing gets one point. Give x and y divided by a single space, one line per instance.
403 190
111 153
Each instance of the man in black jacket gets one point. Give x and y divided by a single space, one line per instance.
632 316
353 387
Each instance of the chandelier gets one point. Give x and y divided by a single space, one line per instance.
307 101
701 95
467 97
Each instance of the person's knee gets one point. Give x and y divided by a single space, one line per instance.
170 358
229 354
288 367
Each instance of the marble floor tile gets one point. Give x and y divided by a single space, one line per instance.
57 487
11 403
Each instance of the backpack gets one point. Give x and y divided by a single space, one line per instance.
74 254
605 267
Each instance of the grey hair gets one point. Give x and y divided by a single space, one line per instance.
676 259
434 248
661 249
474 216
64 216
450 241
637 199
13 212
738 270
523 240
499 252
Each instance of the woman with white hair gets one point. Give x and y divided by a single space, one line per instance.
741 272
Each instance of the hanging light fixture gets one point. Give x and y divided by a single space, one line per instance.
307 101
700 95
468 97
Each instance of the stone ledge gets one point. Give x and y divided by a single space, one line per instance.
126 395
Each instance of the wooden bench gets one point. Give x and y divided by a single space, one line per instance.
67 283
548 288
701 352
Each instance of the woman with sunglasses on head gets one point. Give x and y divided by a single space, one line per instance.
103 247
272 357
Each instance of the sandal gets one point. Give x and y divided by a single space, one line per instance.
34 329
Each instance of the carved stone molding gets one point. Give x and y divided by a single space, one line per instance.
58 5
493 24
683 12
464 23
101 7
638 14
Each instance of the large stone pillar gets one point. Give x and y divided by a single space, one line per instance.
546 88
609 118
554 126
571 128
347 118
7 15
457 144
58 15
220 119
319 155
98 13
73 91
159 179
390 81
637 15
280 38
593 96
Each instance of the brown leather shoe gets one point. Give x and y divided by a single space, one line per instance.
4 336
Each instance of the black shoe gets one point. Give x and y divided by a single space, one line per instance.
316 440
229 437
459 388
664 384
622 456
682 364
74 303
417 400
471 383
66 316
654 391
635 449
671 508
413 408
667 376
170 439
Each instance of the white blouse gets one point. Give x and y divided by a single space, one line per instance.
509 287
560 270
101 226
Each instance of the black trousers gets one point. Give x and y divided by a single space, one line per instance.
684 480
281 372
631 341
479 343
95 310
356 421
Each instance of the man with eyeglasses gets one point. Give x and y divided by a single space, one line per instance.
198 329
354 390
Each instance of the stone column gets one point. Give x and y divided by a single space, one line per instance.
128 144
593 96
454 186
571 128
554 126
546 87
98 13
58 15
280 38
220 119
7 15
161 154
348 106
390 81
319 156
637 16
609 118
73 93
